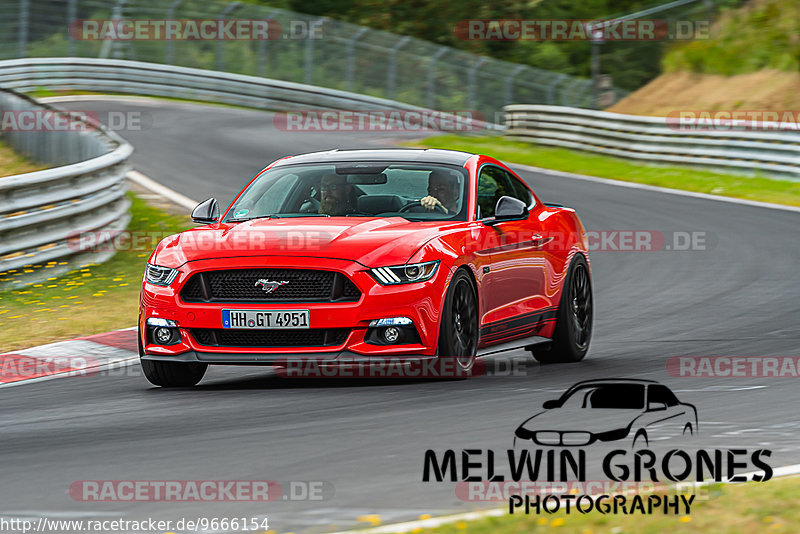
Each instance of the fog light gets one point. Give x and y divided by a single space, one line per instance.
158 321
392 331
391 334
163 335
391 321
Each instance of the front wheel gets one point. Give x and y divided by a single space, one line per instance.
574 320
171 374
458 336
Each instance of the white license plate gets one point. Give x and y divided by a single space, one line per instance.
263 319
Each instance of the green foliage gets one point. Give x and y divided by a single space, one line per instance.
764 34
631 64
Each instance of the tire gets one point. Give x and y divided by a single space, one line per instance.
458 333
573 331
171 374
687 430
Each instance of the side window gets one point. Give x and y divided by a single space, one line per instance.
520 191
662 394
488 192
493 183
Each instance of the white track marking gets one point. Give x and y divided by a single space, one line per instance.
161 190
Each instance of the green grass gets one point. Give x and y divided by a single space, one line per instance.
752 508
94 299
751 188
12 163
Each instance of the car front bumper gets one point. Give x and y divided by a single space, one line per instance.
421 302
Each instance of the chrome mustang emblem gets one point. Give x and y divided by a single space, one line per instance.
269 286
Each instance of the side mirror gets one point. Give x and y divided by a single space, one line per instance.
656 406
549 405
508 209
206 212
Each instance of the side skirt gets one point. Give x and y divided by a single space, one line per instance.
522 343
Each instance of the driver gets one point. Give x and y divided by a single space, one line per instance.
443 190
336 195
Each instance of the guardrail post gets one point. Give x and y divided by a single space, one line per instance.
391 77
568 90
220 60
116 14
551 89
309 59
471 81
432 76
510 83
595 72
72 14
261 60
22 31
169 46
351 58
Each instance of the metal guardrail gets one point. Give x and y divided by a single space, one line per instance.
656 140
310 49
42 212
154 79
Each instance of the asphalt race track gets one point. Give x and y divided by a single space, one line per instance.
366 438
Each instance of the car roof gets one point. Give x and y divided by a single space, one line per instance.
417 155
605 381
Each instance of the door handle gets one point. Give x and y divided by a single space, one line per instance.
539 240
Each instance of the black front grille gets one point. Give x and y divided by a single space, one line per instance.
251 285
312 337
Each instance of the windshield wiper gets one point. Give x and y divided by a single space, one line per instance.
297 215
280 216
249 219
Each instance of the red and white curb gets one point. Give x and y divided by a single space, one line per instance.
84 356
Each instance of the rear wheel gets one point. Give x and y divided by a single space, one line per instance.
574 320
171 374
458 335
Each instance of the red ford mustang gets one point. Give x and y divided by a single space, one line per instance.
356 255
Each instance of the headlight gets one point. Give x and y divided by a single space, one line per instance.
159 276
405 274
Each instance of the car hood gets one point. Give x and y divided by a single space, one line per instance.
370 241
593 420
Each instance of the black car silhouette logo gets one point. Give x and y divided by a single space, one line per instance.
609 410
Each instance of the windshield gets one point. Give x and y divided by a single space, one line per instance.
356 189
619 396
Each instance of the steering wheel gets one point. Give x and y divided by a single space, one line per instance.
418 204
